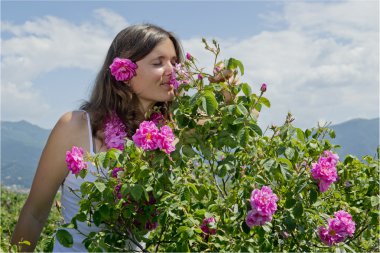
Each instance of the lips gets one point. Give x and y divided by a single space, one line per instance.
167 86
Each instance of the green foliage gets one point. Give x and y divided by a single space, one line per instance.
11 204
221 156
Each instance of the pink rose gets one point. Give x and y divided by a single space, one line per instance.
209 226
75 161
264 201
114 132
338 229
123 69
166 141
254 218
147 136
324 171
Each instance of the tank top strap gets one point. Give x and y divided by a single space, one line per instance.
92 151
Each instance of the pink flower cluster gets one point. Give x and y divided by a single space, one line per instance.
263 203
123 69
208 226
149 137
324 171
339 228
75 161
114 131
181 74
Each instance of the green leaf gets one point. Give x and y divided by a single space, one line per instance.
182 229
188 151
222 171
269 164
265 101
65 238
285 161
242 110
256 128
374 200
209 103
290 202
245 228
298 209
313 196
137 191
289 153
300 135
233 63
243 137
100 186
97 217
246 89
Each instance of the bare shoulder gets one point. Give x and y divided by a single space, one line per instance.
72 127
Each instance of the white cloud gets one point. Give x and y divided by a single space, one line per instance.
44 44
22 102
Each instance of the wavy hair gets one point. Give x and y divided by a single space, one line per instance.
109 95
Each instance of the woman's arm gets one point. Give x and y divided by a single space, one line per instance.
50 174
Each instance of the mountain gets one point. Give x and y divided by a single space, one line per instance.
22 144
357 137
21 148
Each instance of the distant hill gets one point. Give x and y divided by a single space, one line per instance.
21 148
22 144
357 137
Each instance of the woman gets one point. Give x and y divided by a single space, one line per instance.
135 77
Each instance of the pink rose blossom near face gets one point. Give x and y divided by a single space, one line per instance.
188 56
256 219
339 228
181 74
147 136
114 132
324 171
173 80
208 226
123 69
75 161
264 201
166 141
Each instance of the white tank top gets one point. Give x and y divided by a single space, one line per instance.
70 206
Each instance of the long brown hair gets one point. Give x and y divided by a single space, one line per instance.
108 94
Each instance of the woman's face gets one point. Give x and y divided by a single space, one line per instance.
153 74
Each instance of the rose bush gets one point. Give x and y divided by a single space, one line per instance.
228 185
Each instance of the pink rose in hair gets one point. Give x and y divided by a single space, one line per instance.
75 161
123 69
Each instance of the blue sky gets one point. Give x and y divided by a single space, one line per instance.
320 59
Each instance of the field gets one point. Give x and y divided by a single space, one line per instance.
11 204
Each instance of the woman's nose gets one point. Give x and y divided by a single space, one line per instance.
169 68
